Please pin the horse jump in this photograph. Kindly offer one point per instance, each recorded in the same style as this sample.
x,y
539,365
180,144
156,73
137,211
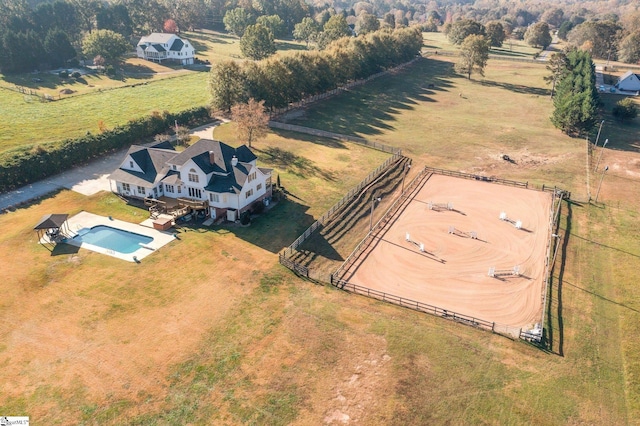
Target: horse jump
x,y
495,273
417,244
471,234
517,223
440,206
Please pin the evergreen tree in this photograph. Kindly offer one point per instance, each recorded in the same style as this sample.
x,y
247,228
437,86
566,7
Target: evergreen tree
x,y
576,99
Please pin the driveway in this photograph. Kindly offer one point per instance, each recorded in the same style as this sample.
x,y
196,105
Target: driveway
x,y
87,180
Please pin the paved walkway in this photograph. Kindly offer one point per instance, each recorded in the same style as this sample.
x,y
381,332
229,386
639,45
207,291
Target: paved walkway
x,y
87,180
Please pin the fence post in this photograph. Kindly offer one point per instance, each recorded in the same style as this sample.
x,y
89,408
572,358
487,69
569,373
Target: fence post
x,y
493,327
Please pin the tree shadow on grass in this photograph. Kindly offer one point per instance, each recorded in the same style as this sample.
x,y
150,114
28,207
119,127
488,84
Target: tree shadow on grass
x,y
275,228
371,109
622,136
283,45
296,136
212,38
517,88
200,47
292,163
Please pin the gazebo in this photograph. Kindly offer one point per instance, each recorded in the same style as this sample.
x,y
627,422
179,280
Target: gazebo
x,y
53,226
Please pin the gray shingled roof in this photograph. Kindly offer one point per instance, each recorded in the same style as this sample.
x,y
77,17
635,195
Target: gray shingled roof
x,y
152,161
156,162
177,45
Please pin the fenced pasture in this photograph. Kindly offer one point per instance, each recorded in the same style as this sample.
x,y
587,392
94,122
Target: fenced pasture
x,y
414,258
320,249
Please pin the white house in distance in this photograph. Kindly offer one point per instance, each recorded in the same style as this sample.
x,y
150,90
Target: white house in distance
x,y
629,81
208,176
159,47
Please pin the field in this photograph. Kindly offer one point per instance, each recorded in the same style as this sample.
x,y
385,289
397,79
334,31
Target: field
x,y
450,271
230,337
141,88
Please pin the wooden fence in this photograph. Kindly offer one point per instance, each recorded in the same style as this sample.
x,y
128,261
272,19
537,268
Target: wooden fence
x,y
369,238
339,205
477,177
503,329
295,267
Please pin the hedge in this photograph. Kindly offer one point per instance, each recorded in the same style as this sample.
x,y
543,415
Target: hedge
x,y
28,164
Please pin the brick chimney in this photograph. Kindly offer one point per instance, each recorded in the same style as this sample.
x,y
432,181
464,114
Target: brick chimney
x,y
212,158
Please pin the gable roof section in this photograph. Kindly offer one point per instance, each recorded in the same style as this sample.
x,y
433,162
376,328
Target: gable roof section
x,y
177,45
223,153
152,161
627,75
233,182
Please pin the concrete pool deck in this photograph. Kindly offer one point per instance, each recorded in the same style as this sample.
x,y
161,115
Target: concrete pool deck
x,y
86,220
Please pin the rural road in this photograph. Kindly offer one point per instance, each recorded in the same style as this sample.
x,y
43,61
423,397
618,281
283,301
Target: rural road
x,y
87,180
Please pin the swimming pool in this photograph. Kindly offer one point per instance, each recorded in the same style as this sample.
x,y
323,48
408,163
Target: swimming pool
x,y
114,239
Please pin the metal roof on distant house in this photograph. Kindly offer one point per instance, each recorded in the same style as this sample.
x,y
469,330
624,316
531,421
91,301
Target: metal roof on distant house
x,y
153,38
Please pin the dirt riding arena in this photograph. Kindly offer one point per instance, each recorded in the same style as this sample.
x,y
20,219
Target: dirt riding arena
x,y
453,245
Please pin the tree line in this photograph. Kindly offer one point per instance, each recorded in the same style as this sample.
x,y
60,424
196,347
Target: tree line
x,y
281,80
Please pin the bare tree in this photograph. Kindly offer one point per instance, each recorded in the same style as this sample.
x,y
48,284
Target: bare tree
x,y
252,121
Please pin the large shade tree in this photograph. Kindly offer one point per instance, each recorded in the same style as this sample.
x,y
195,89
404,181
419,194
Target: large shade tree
x,y
460,30
538,35
226,85
106,43
306,30
257,42
237,20
474,54
600,36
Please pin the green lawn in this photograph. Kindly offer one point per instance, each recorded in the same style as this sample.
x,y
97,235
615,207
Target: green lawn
x,y
29,121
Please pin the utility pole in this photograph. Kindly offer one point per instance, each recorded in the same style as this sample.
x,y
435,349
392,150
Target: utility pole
x,y
601,179
606,141
373,201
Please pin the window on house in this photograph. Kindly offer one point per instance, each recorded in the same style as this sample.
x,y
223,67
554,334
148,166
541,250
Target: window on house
x,y
224,198
174,167
169,188
249,193
259,187
131,164
195,193
252,176
141,190
179,189
214,197
193,176
126,187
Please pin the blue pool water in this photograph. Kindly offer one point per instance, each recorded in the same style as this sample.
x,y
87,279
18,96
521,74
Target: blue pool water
x,y
112,239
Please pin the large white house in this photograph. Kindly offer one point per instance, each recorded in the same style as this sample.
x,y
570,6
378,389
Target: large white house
x,y
209,175
159,47
629,81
